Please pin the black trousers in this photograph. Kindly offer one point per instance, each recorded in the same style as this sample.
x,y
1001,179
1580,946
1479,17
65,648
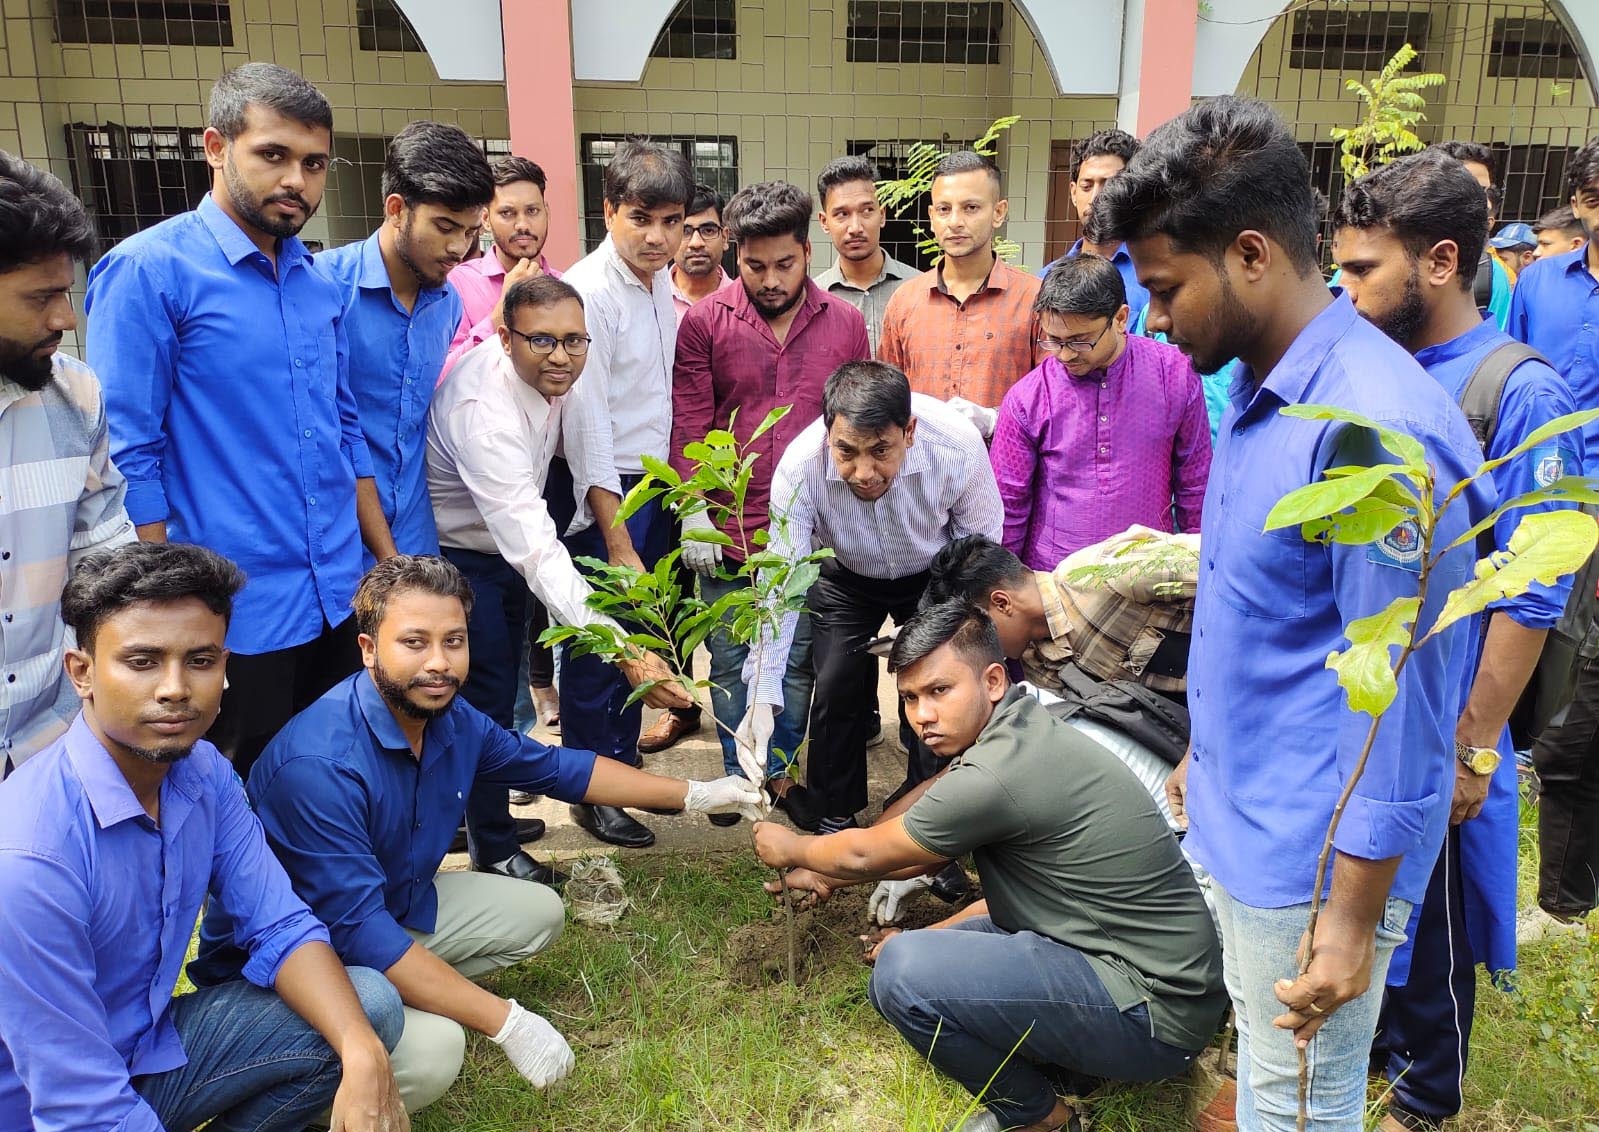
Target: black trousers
x,y
266,690
1566,757
847,610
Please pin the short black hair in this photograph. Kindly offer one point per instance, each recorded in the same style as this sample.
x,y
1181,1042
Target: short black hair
x,y
706,199
434,163
510,170
269,85
960,624
869,395
1422,199
845,171
970,569
428,573
1583,168
39,216
539,291
1462,149
969,161
1105,143
1082,284
1219,168
108,581
769,208
1561,220
650,175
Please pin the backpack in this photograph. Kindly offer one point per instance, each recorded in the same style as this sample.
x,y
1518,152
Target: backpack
x,y
1485,388
1144,715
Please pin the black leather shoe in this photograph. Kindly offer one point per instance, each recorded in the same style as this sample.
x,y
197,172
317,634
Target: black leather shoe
x,y
951,883
724,820
523,867
800,806
612,825
527,830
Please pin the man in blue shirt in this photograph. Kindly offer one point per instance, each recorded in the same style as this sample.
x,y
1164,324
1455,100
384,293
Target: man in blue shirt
x,y
223,357
1407,237
110,839
360,795
400,314
1218,213
1098,159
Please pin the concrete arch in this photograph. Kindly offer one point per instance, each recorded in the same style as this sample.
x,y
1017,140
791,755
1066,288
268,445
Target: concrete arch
x,y
1232,31
460,37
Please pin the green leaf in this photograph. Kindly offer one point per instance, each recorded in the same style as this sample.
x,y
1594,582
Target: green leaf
x,y
1566,489
1545,546
643,491
661,470
1366,522
1568,423
1327,497
1365,669
700,534
1407,448
772,418
721,440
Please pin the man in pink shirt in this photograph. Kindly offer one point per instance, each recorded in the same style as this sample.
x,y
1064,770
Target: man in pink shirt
x,y
1109,431
519,221
697,269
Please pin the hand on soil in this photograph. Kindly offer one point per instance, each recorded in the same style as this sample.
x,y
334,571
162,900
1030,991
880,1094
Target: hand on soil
x,y
811,887
873,942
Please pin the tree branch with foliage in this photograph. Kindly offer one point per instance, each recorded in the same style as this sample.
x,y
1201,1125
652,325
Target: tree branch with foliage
x,y
900,194
1394,107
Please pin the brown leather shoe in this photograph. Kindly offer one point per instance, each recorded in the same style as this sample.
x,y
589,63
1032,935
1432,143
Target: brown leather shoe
x,y
669,729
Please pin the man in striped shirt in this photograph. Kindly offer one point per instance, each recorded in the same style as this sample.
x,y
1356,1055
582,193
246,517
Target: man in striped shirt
x,y
60,495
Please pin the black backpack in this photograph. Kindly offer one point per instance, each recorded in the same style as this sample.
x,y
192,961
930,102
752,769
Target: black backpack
x,y
1139,712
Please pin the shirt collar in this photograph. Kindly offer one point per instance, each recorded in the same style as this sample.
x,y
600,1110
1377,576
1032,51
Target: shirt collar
x,y
996,278
236,245
677,292
1480,335
374,276
1004,715
620,267
535,406
1054,606
1574,262
891,269
1120,255
110,796
385,728
1291,376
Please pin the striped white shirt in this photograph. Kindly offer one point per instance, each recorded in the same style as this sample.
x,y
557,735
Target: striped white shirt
x,y
60,498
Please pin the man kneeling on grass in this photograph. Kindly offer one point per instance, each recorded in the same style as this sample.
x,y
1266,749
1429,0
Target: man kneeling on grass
x,y
360,795
1093,951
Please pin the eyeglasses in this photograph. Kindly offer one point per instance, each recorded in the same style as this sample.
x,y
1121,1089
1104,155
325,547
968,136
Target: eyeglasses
x,y
575,345
1075,345
703,231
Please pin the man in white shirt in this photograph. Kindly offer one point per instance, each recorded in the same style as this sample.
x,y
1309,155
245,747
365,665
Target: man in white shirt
x,y
493,428
887,479
620,414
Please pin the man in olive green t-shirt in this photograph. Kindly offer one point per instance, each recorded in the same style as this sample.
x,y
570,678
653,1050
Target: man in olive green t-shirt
x,y
1093,949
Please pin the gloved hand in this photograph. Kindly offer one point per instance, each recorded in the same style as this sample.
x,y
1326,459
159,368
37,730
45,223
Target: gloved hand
x,y
701,557
534,1047
890,897
983,418
753,740
730,795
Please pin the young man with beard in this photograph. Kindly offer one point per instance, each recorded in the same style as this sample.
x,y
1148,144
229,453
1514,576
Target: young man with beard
x,y
773,340
963,332
1217,212
1110,431
518,217
697,270
864,275
399,311
493,431
225,365
53,431
1407,237
110,841
1092,951
360,794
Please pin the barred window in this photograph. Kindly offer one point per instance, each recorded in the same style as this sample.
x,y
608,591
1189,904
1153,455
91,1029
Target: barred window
x,y
699,29
924,31
167,23
1354,41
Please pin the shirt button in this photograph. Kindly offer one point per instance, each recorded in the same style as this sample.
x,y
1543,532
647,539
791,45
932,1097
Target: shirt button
x,y
1103,417
312,500
1102,451
298,364
5,556
1238,430
11,677
9,618
308,434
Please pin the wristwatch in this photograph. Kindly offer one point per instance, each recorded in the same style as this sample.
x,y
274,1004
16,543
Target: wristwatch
x,y
1480,761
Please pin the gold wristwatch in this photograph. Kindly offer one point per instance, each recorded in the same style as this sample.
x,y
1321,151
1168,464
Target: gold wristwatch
x,y
1480,761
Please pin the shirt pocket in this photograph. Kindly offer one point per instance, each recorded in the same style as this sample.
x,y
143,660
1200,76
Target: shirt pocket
x,y
1257,573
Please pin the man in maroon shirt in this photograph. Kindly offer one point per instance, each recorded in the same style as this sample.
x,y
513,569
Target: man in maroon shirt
x,y
772,341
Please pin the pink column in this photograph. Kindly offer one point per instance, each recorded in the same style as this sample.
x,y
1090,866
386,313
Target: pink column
x,y
1166,61
538,95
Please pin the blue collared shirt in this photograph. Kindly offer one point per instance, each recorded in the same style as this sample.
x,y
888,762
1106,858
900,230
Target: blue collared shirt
x,y
231,415
1555,310
99,903
395,360
361,824
1137,293
1273,739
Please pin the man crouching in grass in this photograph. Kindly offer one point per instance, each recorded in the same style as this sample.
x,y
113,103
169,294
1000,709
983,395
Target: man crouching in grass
x,y
1093,951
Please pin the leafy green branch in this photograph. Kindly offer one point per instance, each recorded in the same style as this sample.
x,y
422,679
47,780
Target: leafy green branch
x,y
899,194
1394,106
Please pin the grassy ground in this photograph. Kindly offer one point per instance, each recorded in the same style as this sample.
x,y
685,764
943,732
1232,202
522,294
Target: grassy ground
x,y
680,1020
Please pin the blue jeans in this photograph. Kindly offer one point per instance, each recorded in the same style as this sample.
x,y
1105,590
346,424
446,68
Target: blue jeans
x,y
966,996
1259,946
730,697
254,1063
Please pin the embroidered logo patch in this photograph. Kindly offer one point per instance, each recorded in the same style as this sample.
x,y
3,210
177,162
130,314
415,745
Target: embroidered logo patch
x,y
1400,547
1549,464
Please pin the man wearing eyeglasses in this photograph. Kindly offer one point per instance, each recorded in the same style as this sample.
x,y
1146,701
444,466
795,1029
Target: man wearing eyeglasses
x,y
697,268
1109,431
494,425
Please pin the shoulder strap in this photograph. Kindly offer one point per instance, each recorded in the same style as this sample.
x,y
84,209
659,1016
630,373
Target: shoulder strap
x,y
1484,390
1482,285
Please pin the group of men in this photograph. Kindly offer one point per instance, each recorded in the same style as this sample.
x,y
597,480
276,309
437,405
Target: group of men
x,y
359,481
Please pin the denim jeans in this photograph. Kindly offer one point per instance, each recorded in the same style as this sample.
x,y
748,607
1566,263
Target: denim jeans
x,y
1259,946
730,698
969,995
254,1063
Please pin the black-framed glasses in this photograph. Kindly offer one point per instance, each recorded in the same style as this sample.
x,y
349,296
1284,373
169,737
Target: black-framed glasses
x,y
1075,345
707,231
575,345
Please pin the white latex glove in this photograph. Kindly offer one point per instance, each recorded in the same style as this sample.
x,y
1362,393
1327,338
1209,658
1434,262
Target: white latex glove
x,y
701,557
890,897
753,740
980,416
730,795
534,1047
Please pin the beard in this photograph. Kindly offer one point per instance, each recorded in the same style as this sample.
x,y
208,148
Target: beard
x,y
1404,321
404,247
162,756
253,208
398,695
20,363
768,310
1236,324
